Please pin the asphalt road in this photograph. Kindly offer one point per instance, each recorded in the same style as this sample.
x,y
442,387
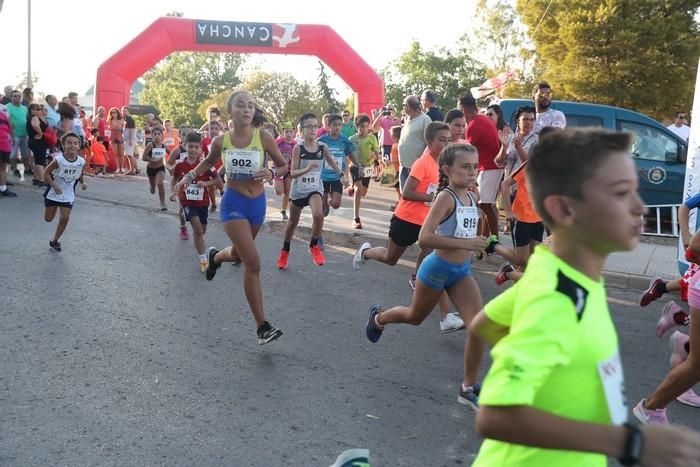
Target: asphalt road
x,y
117,351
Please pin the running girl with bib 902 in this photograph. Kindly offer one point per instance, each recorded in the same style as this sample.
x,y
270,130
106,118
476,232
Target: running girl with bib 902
x,y
450,229
307,188
155,154
62,174
243,206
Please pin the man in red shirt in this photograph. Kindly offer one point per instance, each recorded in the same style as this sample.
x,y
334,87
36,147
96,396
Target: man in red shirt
x,y
482,133
195,198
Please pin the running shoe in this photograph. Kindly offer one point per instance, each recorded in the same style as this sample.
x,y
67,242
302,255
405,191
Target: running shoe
x,y
8,194
666,320
284,216
55,245
212,208
649,417
317,256
468,397
373,331
267,333
203,265
502,276
652,292
163,208
183,233
212,267
491,243
412,281
28,171
677,343
17,173
172,197
450,323
690,398
283,260
359,259
356,223
151,189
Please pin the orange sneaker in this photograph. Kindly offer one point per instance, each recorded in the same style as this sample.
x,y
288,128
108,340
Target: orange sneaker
x,y
317,255
283,259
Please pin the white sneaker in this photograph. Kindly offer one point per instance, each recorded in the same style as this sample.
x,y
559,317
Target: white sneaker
x,y
451,323
358,260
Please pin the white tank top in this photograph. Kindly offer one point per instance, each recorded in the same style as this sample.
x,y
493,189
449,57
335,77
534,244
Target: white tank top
x,y
66,176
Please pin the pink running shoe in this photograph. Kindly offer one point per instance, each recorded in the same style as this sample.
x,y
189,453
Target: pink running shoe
x,y
183,234
689,398
666,320
649,417
677,343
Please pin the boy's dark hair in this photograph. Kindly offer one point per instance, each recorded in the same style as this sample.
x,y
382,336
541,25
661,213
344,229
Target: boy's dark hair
x,y
99,139
468,102
94,132
432,129
562,161
680,112
362,118
453,114
193,137
396,131
70,134
305,117
334,117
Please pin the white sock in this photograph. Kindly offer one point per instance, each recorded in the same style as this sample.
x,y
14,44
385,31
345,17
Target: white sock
x,y
203,257
3,187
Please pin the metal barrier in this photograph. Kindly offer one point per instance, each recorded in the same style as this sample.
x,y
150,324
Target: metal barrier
x,y
665,216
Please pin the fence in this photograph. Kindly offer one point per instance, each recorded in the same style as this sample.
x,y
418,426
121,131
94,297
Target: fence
x,y
662,220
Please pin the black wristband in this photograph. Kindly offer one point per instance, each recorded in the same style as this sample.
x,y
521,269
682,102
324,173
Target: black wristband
x,y
634,444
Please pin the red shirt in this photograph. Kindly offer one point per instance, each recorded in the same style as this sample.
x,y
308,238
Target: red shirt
x,y
482,134
181,168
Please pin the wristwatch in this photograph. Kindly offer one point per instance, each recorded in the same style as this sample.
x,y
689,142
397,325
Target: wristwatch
x,y
634,444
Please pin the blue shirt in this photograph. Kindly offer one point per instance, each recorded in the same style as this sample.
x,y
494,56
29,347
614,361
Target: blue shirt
x,y
339,148
693,201
52,116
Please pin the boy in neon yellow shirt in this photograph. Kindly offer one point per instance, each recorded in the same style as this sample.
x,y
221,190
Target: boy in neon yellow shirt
x,y
554,395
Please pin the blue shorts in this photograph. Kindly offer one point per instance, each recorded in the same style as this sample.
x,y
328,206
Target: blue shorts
x,y
196,211
439,274
234,206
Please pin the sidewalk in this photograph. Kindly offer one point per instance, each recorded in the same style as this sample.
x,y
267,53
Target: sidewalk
x,y
630,269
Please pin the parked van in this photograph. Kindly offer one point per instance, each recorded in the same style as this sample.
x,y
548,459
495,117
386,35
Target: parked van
x,y
658,153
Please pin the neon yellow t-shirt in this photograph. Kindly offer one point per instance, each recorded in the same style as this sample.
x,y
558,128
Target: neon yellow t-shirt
x,y
364,146
561,356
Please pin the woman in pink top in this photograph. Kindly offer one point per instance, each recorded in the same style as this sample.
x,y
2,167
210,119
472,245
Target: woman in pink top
x,y
5,149
116,128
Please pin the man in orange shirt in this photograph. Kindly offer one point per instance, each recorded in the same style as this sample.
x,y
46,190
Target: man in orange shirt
x,y
526,226
171,139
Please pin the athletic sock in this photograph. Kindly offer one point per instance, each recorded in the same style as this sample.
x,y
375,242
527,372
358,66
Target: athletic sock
x,y
287,246
3,188
203,257
314,242
681,318
662,288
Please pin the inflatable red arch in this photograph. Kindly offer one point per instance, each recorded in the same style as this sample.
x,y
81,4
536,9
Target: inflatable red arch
x,y
169,34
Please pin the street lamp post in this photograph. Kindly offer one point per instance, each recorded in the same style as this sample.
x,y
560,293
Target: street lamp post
x,y
29,43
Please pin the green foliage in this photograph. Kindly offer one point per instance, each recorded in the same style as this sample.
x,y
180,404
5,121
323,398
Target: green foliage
x,y
182,81
449,73
637,54
326,95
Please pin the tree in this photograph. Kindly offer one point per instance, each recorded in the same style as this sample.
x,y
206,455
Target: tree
x,y
501,43
638,54
325,93
22,80
183,80
450,74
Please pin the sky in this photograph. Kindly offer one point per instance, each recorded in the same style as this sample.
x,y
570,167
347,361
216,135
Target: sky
x,y
71,38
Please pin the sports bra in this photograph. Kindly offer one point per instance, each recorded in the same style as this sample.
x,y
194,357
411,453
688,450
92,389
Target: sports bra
x,y
243,163
462,221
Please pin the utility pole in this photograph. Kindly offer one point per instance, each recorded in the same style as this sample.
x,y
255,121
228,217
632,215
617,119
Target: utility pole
x,y
29,43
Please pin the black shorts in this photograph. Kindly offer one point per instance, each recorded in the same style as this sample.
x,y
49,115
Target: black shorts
x,y
196,211
333,186
386,151
152,172
49,202
355,173
403,233
524,232
303,202
5,157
